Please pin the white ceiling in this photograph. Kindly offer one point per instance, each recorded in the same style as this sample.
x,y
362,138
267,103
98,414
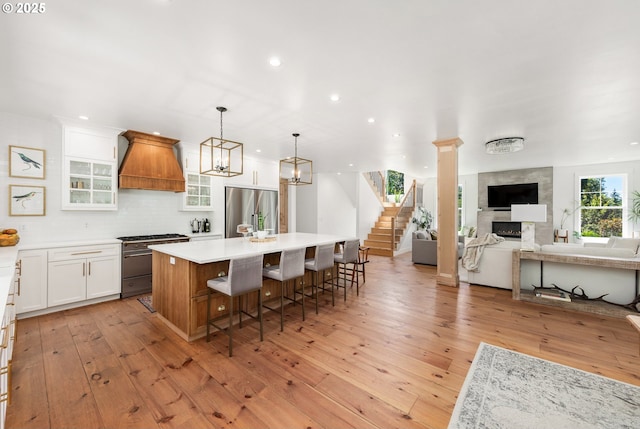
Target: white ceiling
x,y
565,75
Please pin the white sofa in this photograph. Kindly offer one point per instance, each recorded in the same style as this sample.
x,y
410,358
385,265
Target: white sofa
x,y
617,284
494,269
615,247
494,266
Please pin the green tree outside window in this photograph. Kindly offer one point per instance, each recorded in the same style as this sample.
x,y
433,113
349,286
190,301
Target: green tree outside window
x,y
601,201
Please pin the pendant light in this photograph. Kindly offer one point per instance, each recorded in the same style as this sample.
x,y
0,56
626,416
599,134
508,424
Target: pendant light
x,y
295,170
221,157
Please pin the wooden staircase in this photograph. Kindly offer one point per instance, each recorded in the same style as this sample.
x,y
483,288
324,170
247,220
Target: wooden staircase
x,y
379,239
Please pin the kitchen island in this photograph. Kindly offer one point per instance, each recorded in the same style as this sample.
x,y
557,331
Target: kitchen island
x,y
181,271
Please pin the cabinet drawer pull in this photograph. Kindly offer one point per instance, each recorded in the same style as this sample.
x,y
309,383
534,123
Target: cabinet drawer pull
x,y
89,268
86,253
84,267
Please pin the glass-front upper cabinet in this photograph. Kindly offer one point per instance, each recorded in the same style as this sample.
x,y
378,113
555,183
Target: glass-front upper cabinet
x,y
198,195
90,169
91,184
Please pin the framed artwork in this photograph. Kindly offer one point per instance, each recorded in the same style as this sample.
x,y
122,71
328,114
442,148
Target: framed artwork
x,y
26,162
25,200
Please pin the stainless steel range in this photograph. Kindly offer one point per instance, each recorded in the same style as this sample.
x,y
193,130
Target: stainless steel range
x,y
136,261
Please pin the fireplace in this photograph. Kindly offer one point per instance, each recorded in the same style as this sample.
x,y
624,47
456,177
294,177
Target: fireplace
x,y
506,229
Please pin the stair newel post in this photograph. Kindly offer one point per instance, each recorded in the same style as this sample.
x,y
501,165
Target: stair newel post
x,y
393,234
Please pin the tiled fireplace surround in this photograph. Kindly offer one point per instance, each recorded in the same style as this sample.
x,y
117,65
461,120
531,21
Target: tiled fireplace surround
x,y
486,216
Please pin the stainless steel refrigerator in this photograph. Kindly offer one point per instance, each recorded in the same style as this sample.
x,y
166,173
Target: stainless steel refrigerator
x,y
243,206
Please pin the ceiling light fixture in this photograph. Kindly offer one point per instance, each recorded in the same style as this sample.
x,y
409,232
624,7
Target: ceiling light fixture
x,y
504,145
371,120
297,171
634,143
84,118
221,157
275,61
335,97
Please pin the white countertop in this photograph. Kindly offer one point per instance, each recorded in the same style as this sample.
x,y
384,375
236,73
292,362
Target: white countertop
x,y
204,252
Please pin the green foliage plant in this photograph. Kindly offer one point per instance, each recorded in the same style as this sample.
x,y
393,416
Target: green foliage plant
x,y
634,210
423,220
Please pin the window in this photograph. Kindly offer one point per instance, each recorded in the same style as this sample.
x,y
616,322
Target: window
x,y
601,201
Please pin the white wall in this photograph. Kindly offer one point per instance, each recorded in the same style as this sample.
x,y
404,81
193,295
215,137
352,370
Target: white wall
x,y
306,207
139,212
369,208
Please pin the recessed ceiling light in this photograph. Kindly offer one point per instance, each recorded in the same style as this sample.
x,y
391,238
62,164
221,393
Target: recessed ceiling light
x,y
426,166
339,174
371,120
84,118
258,150
335,97
156,133
350,165
275,61
634,143
396,134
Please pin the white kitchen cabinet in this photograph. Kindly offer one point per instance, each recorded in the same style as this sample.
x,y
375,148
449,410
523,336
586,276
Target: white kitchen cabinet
x,y
7,338
257,172
90,169
31,291
83,272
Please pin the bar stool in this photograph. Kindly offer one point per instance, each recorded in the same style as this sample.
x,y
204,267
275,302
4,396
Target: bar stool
x,y
291,267
245,275
349,255
321,262
359,267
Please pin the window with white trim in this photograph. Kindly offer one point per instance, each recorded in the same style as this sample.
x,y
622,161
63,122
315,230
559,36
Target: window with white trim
x,y
602,205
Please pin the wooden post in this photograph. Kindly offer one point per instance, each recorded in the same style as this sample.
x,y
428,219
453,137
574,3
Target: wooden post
x,y
447,270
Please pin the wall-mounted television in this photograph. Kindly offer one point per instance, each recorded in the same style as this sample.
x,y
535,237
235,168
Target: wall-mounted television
x,y
502,196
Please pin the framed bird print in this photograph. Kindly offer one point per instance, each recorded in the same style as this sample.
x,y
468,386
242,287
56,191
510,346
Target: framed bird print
x,y
26,162
25,200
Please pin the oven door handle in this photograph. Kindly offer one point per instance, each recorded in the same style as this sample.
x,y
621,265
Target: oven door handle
x,y
136,255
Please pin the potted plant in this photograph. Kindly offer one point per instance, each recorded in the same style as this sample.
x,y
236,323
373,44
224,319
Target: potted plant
x,y
577,236
634,210
562,232
423,220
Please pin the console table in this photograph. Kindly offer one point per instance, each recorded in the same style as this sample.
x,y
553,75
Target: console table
x,y
590,306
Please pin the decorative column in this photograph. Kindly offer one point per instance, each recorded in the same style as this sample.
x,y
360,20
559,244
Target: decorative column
x,y
447,270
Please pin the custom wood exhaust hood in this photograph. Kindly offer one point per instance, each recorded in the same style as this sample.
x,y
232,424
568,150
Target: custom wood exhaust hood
x,y
150,163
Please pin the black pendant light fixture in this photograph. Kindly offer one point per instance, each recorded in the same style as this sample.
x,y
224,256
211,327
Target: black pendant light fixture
x,y
296,170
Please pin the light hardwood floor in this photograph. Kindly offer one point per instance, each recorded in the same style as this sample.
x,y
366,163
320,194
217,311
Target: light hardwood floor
x,y
396,356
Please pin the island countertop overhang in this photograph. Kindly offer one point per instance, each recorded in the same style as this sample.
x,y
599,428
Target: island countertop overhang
x,y
204,252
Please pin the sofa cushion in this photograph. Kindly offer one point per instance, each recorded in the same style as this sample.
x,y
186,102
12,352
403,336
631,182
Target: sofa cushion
x,y
625,243
589,251
421,235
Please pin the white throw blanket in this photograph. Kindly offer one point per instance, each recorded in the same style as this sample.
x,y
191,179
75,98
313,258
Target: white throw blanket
x,y
473,250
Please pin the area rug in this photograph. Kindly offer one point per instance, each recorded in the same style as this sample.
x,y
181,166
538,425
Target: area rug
x,y
146,301
507,389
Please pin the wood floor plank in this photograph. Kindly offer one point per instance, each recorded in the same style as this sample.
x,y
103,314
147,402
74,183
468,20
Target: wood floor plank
x,y
71,401
29,379
395,356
